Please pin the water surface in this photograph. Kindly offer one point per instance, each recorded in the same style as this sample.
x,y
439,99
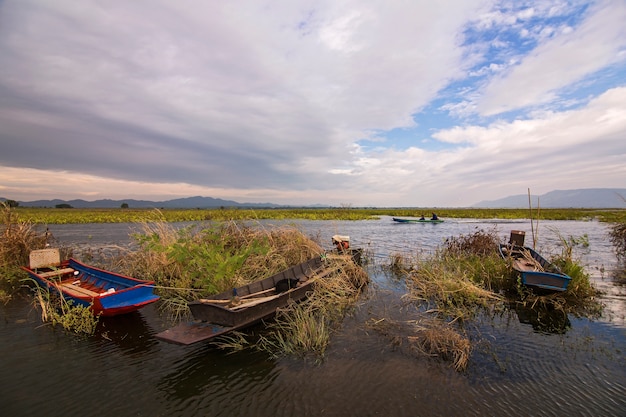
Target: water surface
x,y
515,370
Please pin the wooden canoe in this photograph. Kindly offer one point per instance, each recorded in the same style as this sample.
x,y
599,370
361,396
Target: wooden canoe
x,y
534,270
248,304
401,220
106,293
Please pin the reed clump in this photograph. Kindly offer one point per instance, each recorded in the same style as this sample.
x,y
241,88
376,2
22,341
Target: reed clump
x,y
202,260
443,341
18,239
464,275
617,235
428,336
305,328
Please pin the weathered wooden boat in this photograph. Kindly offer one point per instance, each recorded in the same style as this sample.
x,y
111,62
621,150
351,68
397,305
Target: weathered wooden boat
x,y
106,293
246,305
402,220
534,270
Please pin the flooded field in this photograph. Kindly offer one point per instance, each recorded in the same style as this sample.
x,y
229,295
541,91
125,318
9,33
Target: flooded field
x,y
515,370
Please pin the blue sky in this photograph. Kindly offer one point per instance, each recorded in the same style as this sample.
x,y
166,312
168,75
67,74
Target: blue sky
x,y
362,103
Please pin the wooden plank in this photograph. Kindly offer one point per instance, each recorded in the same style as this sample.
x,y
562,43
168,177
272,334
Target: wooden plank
x,y
80,290
56,272
255,301
187,333
227,301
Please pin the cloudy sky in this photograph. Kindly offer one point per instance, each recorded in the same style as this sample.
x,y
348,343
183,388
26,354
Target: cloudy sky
x,y
355,102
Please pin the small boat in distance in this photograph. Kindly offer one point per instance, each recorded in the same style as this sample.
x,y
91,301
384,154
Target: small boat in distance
x,y
534,270
107,293
401,220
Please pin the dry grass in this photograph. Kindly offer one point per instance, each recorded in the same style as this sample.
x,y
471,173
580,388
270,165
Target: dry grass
x,y
445,342
429,336
617,235
17,239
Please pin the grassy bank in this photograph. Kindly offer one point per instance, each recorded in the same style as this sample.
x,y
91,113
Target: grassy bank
x,y
70,216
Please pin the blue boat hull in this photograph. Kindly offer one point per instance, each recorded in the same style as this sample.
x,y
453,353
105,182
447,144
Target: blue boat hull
x,y
535,271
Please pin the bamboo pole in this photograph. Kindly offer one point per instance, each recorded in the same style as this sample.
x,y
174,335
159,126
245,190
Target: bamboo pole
x,y
532,226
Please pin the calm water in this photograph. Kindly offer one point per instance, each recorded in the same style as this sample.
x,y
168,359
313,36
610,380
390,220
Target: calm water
x,y
514,371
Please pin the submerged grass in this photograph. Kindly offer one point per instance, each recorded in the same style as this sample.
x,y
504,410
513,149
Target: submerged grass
x,y
305,328
58,311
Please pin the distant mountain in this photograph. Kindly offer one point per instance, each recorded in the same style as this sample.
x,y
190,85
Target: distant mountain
x,y
190,202
583,198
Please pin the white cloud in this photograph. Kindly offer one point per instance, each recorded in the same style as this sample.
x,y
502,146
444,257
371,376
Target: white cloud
x,y
162,99
561,60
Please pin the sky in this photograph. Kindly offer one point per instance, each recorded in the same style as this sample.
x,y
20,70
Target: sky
x,y
342,102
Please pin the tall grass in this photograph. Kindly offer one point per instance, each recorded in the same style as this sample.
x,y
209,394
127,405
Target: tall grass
x,y
202,260
463,275
617,235
305,328
17,239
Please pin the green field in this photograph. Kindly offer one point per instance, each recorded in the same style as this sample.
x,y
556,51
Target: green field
x,y
129,215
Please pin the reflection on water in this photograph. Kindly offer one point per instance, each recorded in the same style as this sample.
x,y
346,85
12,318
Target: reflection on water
x,y
525,363
545,318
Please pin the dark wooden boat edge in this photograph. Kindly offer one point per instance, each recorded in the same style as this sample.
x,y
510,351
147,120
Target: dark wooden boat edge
x,y
197,330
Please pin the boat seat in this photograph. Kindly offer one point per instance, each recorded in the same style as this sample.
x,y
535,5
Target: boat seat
x,y
80,290
56,272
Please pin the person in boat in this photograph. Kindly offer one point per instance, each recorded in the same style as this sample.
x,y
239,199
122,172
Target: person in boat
x,y
434,217
422,218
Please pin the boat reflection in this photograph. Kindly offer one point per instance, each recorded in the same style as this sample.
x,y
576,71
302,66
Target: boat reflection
x,y
544,318
130,332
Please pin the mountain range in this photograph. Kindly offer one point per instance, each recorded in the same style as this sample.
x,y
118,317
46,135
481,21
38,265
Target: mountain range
x,y
189,202
581,198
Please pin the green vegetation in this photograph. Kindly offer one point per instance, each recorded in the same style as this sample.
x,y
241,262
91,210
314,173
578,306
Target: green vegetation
x,y
130,215
195,262
57,311
192,263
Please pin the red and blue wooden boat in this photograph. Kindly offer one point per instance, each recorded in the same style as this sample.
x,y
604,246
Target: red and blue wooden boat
x,y
535,271
106,293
